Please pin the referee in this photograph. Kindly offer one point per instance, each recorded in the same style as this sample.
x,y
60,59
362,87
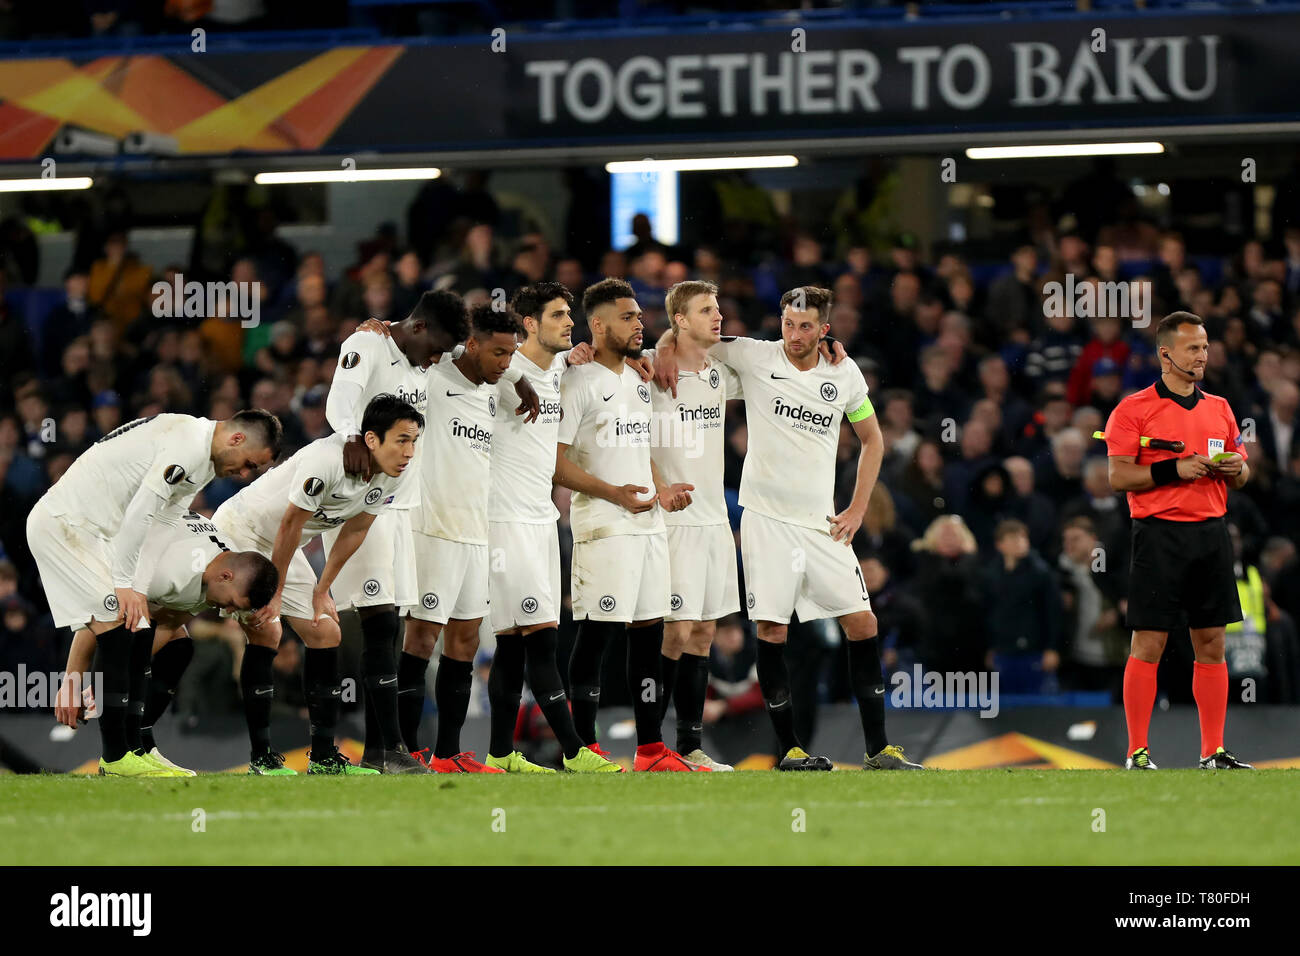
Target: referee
x,y
1182,570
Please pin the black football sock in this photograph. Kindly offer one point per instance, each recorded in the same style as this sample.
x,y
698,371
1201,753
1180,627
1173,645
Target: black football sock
x,y
115,664
137,685
688,698
644,646
869,688
320,679
667,681
544,679
451,690
774,679
257,684
584,674
505,687
410,697
379,675
168,666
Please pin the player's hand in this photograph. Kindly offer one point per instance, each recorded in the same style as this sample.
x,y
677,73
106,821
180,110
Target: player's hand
x,y
581,354
265,615
1229,467
529,403
629,498
1194,466
374,325
675,497
322,606
834,355
70,703
846,524
666,369
356,457
1051,661
644,367
134,606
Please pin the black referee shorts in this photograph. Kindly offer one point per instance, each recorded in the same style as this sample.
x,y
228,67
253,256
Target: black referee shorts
x,y
1182,575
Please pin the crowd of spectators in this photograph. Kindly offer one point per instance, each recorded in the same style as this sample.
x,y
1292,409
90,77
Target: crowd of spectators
x,y
992,538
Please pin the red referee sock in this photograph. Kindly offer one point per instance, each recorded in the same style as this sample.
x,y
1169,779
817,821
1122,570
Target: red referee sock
x,y
1139,698
1210,688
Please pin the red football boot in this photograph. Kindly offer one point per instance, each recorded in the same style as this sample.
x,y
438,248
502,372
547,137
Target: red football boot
x,y
461,763
661,759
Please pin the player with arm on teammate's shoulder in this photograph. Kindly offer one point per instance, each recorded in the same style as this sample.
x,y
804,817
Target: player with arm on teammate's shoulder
x,y
277,516
795,399
193,571
380,578
524,540
620,551
86,535
701,547
1182,572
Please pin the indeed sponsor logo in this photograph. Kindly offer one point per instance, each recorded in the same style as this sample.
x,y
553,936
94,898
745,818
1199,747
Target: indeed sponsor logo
x,y
799,413
470,431
700,413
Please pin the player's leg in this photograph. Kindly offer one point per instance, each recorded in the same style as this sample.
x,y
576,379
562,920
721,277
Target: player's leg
x,y
603,592
505,689
172,652
320,677
708,593
418,643
543,672
868,685
257,688
676,636
768,553
1140,693
452,688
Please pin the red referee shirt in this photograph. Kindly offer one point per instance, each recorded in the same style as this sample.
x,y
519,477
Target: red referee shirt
x,y
1205,424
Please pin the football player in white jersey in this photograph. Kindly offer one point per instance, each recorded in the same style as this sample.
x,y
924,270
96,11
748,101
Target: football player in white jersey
x,y
524,542
193,570
277,515
451,539
701,548
796,553
87,531
380,577
620,553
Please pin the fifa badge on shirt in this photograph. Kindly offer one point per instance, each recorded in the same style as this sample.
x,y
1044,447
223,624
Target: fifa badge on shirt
x,y
1215,447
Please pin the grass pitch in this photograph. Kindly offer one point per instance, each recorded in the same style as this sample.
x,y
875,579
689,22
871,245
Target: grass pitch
x,y
849,817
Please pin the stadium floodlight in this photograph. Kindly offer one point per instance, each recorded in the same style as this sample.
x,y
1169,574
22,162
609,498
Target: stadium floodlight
x,y
1054,150
700,165
41,185
346,175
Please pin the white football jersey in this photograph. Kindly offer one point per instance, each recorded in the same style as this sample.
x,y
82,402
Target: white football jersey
x,y
171,455
607,421
314,480
377,365
793,420
455,469
523,454
178,556
689,438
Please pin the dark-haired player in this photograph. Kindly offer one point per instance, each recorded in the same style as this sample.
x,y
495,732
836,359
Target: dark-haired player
x,y
620,550
380,577
192,570
795,550
524,542
451,538
87,531
277,515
